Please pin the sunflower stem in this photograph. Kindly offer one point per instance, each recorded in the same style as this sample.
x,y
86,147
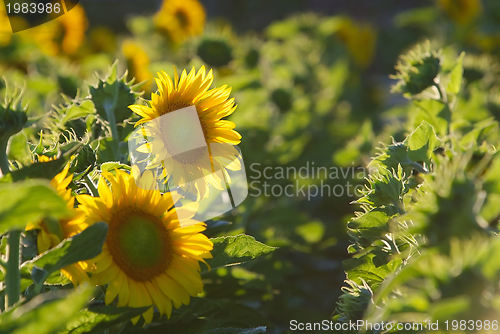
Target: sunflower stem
x,y
13,276
110,115
4,161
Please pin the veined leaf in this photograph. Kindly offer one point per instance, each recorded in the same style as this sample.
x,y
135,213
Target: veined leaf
x,y
100,318
422,142
46,313
235,250
83,246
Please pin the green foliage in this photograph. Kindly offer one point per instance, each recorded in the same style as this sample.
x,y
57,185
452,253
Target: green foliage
x,y
83,246
422,249
28,201
235,250
44,314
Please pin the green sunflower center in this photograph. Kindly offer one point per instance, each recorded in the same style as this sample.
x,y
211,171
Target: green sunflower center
x,y
139,244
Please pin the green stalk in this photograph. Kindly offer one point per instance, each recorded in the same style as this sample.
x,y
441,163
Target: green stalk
x,y
13,276
110,115
4,161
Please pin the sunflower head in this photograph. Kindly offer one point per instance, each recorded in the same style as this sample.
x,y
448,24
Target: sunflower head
x,y
148,259
461,11
360,40
137,63
180,19
215,51
182,132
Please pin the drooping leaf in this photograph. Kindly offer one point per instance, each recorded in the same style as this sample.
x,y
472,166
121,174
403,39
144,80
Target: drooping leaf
x,y
236,249
100,318
83,246
28,201
44,314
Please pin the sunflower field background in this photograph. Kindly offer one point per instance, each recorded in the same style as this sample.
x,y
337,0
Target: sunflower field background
x,y
368,134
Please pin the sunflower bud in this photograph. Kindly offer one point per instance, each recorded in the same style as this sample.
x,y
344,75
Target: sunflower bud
x,y
12,117
215,52
85,158
282,98
417,70
252,58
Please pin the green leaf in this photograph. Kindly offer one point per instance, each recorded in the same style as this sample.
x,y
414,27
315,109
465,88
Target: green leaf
x,y
312,232
376,218
256,330
422,142
47,313
235,250
78,110
83,246
18,149
101,318
363,268
434,112
112,166
28,201
456,76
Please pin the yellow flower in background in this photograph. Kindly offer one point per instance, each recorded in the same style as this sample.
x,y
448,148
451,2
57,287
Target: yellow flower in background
x,y
74,24
147,259
180,19
65,33
193,168
5,28
52,232
360,40
137,63
461,11
102,40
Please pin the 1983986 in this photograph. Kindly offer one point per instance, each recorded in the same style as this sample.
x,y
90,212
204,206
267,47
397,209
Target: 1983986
x,y
33,8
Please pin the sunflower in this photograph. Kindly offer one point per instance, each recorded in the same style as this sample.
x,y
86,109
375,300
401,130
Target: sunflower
x,y
147,258
461,11
64,34
193,147
53,232
180,19
360,40
137,63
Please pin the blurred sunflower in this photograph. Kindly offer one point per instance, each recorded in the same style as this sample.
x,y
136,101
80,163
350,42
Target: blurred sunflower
x,y
5,27
53,232
461,11
194,169
137,63
147,259
65,33
180,19
360,40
